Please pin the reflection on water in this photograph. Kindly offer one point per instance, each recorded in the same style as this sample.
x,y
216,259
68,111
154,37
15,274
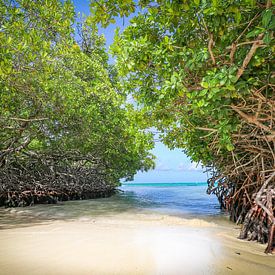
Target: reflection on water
x,y
187,200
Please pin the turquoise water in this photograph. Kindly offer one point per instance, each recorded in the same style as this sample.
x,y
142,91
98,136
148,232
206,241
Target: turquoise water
x,y
180,199
176,198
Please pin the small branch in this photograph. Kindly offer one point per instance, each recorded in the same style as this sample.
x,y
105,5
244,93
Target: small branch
x,y
210,43
232,53
247,163
258,198
243,43
248,25
252,120
234,45
267,137
210,46
258,109
206,129
258,43
27,119
250,54
269,4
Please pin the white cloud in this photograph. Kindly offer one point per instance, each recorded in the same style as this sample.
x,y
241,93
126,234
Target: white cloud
x,y
162,167
182,166
195,166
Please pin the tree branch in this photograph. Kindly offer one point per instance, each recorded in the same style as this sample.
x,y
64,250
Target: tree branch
x,y
210,46
258,198
250,54
252,120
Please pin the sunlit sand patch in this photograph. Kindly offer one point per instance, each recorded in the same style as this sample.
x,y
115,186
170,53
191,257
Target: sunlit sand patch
x,y
157,219
128,244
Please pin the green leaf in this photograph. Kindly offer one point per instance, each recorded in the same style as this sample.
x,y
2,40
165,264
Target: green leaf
x,y
230,147
230,87
233,78
223,81
203,92
254,33
197,2
266,17
204,84
267,38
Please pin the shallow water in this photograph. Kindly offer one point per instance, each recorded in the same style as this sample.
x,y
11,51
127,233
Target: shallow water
x,y
189,199
181,199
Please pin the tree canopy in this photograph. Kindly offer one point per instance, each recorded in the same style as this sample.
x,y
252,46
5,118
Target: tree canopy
x,y
59,100
203,73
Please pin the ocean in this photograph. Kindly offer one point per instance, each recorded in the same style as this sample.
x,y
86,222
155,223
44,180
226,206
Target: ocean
x,y
187,200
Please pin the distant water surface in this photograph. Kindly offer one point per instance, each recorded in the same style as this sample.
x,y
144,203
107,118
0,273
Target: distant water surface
x,y
175,198
181,199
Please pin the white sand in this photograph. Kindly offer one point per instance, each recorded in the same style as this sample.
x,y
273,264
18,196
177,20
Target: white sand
x,y
130,244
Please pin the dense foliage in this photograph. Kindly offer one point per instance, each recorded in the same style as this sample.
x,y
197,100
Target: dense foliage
x,y
59,102
203,73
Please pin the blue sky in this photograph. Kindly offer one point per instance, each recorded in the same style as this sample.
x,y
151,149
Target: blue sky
x,y
171,165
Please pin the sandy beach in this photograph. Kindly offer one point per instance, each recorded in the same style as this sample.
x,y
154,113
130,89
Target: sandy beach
x,y
130,243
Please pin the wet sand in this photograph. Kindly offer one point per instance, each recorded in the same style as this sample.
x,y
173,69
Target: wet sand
x,y
130,243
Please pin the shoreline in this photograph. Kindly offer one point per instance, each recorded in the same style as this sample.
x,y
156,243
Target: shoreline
x,y
130,243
